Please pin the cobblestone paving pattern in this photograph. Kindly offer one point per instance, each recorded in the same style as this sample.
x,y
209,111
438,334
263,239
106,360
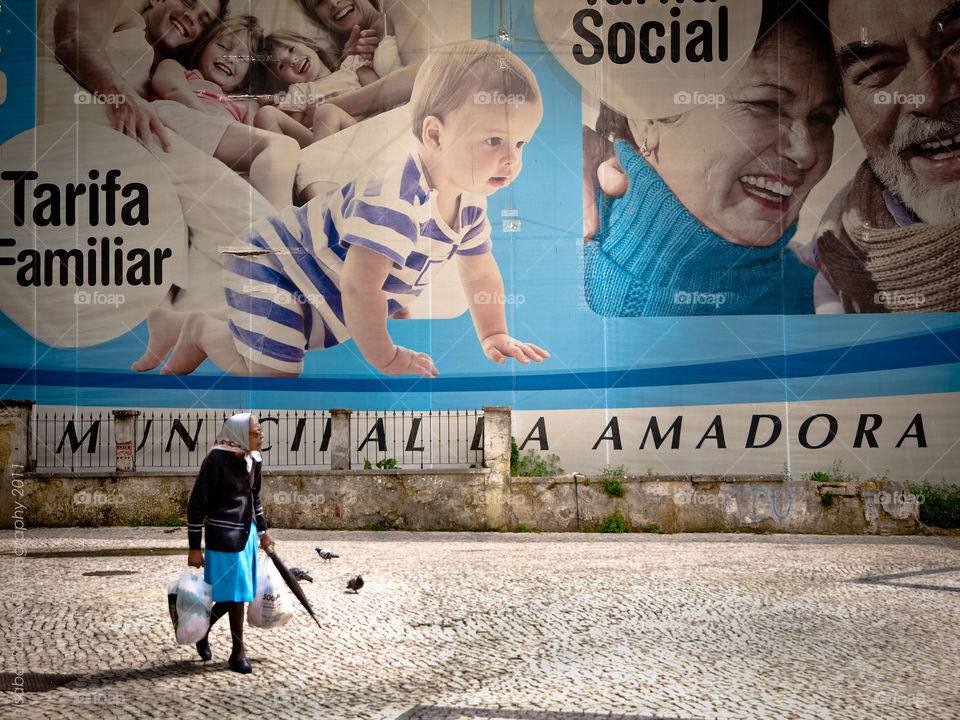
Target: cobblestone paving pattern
x,y
480,626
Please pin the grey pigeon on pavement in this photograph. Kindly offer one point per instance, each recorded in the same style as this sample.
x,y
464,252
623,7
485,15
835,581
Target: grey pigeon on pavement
x,y
300,575
355,584
326,554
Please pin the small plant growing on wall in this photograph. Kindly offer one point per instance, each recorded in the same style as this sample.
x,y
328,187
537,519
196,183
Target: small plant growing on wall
x,y
613,471
531,464
614,523
838,474
835,474
939,504
613,488
385,464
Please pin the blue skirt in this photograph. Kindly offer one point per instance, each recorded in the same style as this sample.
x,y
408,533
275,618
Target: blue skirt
x,y
233,576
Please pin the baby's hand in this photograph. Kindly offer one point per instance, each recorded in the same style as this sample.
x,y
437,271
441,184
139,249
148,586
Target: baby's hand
x,y
410,362
501,346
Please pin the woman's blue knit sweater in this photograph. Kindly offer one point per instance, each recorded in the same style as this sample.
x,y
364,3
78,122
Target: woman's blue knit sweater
x,y
653,258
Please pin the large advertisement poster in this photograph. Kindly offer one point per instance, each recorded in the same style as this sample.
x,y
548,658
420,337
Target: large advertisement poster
x,y
685,237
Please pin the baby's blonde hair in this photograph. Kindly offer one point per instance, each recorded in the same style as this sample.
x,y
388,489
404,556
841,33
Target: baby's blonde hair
x,y
469,71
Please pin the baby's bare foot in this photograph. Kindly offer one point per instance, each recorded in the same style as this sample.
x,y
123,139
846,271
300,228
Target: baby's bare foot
x,y
163,327
187,353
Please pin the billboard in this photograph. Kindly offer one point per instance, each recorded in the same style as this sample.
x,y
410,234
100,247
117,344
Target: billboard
x,y
701,237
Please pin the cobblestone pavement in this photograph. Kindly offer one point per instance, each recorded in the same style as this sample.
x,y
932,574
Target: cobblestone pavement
x,y
481,626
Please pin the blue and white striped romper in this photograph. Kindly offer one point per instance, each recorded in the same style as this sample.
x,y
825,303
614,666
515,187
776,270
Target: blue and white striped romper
x,y
285,299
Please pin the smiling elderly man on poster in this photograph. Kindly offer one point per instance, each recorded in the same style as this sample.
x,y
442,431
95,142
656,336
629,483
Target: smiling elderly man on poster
x,y
890,241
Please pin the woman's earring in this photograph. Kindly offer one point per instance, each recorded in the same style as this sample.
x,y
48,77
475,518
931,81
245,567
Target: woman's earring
x,y
645,151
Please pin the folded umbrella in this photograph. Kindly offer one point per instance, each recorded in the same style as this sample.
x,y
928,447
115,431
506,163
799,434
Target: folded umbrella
x,y
291,581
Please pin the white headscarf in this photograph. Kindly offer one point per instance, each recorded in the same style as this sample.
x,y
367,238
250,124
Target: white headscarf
x,y
234,436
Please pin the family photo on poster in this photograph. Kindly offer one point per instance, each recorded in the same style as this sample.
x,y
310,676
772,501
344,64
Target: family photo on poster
x,y
338,266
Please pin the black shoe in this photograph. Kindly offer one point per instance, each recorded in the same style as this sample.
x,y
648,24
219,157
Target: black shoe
x,y
203,649
240,666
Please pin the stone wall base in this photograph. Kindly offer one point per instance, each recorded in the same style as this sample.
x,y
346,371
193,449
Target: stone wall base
x,y
481,499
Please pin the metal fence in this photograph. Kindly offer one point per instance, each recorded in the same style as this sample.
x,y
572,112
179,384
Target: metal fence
x,y
440,438
291,439
297,440
73,441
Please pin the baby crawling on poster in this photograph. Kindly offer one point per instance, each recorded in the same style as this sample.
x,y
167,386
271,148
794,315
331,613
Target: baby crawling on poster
x,y
339,266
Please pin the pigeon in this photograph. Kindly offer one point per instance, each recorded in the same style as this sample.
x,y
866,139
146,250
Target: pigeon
x,y
355,584
326,554
300,575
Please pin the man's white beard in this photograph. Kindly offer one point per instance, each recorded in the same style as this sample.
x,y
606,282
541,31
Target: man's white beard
x,y
933,204
936,205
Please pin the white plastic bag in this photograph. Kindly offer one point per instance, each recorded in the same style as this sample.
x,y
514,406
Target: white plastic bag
x,y
172,602
194,600
271,605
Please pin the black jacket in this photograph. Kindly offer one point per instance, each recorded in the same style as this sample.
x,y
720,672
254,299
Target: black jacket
x,y
227,497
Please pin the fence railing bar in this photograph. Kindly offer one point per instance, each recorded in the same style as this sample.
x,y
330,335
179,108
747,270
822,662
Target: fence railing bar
x,y
293,438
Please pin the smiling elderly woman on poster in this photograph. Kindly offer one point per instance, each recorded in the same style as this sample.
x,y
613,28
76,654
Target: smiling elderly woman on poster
x,y
711,197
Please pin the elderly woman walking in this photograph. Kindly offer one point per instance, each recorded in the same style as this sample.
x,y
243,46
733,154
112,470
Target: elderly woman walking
x,y
226,499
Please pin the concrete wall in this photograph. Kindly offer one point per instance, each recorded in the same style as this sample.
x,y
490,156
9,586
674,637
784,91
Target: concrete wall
x,y
481,500
333,500
705,504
